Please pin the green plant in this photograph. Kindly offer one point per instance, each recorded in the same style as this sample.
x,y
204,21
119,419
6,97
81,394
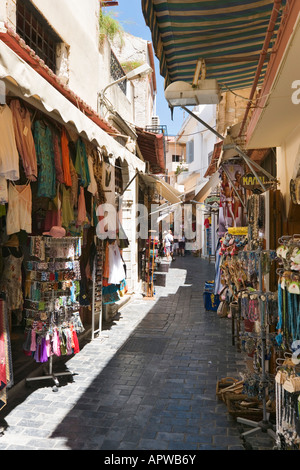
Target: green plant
x,y
180,169
131,65
109,26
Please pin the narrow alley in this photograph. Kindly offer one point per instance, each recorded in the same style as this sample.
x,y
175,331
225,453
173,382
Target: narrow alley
x,y
147,383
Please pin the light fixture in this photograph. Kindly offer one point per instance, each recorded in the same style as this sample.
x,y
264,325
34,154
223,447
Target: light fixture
x,y
134,74
181,93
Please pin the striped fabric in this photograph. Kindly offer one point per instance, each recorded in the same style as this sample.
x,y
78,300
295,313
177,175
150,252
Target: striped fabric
x,y
229,35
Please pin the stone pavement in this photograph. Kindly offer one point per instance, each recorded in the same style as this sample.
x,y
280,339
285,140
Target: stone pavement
x,y
148,382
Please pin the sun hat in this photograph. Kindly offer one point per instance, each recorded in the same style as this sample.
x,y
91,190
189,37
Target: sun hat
x,y
56,232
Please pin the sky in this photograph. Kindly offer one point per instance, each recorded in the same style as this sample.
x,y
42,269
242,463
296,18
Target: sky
x,y
130,16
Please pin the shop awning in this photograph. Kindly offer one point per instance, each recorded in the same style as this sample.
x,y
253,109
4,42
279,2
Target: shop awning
x,y
25,82
165,190
229,36
152,148
206,189
212,167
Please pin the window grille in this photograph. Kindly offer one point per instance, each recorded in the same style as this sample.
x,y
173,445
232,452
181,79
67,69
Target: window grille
x,y
116,72
37,33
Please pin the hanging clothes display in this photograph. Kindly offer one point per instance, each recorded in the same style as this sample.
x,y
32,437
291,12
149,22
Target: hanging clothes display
x,y
45,160
52,299
24,138
9,157
19,216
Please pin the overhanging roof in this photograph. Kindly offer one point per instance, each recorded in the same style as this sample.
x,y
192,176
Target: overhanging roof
x,y
152,149
228,35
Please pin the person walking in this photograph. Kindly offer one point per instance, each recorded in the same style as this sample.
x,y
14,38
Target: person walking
x,y
168,242
182,246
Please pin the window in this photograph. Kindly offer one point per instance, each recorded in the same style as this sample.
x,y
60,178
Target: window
x,y
37,33
190,151
176,158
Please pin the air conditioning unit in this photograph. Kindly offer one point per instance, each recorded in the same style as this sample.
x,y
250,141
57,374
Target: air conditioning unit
x,y
155,121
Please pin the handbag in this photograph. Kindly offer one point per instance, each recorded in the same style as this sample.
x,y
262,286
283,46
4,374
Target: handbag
x,y
292,384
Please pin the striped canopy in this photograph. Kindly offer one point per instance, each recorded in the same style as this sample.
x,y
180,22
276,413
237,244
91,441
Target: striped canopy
x,y
228,35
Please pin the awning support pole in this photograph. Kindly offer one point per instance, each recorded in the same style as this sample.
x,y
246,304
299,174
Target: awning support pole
x,y
249,162
203,123
132,179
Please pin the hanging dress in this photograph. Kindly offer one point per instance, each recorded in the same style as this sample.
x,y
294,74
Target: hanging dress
x,y
24,139
116,268
66,158
11,281
81,164
19,209
9,157
45,159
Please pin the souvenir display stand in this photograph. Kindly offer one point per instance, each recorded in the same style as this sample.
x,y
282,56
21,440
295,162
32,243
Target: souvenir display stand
x,y
97,289
51,302
264,425
287,379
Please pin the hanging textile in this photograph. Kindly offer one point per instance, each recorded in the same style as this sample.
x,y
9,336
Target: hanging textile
x,y
81,216
19,213
9,157
58,156
81,164
92,188
45,160
67,207
24,139
116,268
66,158
6,370
11,280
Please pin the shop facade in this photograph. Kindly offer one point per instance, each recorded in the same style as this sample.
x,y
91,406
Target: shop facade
x,y
60,164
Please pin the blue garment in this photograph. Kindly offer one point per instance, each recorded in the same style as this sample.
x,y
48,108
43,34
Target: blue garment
x,y
45,159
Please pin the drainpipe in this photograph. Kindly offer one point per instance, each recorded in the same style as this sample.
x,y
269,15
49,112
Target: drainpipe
x,y
262,58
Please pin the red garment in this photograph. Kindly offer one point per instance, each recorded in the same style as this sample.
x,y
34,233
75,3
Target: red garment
x,y
75,341
3,378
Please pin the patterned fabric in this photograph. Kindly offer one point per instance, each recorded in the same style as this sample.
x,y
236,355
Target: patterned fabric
x,y
11,282
81,164
45,159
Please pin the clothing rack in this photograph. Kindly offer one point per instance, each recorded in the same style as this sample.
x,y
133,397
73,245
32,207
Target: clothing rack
x,y
264,425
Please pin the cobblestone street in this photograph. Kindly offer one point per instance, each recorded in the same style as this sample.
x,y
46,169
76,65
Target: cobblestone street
x,y
147,383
